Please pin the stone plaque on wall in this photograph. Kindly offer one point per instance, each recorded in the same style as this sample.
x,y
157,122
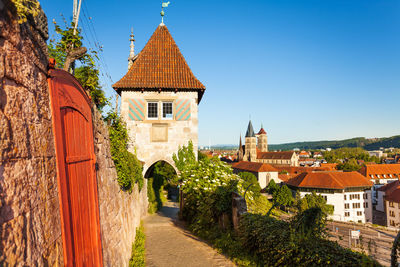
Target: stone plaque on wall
x,y
159,132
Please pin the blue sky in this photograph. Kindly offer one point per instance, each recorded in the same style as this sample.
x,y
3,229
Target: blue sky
x,y
307,70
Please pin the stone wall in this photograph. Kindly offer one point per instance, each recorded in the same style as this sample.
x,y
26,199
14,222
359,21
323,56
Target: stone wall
x,y
174,133
30,232
120,212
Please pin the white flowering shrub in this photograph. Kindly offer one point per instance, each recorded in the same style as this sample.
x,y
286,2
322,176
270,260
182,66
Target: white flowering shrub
x,y
207,185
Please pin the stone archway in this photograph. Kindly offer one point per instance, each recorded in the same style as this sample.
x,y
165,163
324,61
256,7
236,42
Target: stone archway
x,y
148,167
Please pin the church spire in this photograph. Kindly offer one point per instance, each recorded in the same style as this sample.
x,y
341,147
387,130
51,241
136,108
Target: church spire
x,y
250,130
132,50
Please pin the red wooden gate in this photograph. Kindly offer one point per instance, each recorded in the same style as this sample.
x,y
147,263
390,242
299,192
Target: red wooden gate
x,y
72,126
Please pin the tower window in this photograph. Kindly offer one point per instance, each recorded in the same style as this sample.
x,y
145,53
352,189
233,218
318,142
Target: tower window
x,y
167,110
152,110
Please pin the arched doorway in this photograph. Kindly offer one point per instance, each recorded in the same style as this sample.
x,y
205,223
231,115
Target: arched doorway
x,y
162,184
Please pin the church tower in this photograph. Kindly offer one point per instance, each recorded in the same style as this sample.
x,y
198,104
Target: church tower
x,y
240,152
250,144
262,141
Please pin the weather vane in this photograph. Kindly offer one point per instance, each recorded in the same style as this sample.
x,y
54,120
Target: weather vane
x,y
163,4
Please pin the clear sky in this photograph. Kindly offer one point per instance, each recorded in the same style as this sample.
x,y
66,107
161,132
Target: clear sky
x,y
307,70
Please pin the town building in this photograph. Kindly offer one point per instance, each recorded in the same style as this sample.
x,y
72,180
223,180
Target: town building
x,y
389,203
255,149
380,174
264,172
159,100
348,192
304,154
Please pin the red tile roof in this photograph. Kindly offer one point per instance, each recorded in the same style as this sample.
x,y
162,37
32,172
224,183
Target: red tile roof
x,y
381,169
389,187
253,166
275,155
160,65
330,180
392,191
262,131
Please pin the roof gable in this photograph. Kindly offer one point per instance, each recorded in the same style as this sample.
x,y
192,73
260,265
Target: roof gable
x,y
275,155
160,65
253,166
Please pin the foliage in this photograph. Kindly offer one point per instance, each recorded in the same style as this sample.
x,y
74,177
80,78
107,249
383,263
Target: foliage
x,y
26,8
185,157
129,169
313,200
138,250
281,197
207,185
272,187
163,175
87,74
345,154
250,180
278,243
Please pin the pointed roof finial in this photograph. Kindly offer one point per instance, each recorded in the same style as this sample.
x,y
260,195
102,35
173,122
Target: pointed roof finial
x,y
163,4
132,49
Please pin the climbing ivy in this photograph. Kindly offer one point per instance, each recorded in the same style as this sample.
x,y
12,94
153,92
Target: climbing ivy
x,y
129,168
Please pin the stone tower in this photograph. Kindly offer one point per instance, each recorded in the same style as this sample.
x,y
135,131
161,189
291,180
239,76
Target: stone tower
x,y
159,100
262,141
250,144
240,152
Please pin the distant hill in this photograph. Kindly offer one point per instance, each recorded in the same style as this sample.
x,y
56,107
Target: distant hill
x,y
366,143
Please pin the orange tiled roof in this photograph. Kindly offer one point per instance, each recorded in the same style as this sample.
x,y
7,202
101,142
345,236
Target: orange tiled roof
x,y
275,155
262,131
330,180
380,169
253,166
160,65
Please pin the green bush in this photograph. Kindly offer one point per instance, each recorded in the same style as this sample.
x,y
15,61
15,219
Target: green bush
x,y
277,243
138,251
129,169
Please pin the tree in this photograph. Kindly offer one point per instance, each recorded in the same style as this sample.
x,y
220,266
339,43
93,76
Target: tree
x,y
250,182
281,197
185,157
313,200
348,166
272,187
68,48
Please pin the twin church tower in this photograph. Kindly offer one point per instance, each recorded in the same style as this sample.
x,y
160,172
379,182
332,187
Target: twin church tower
x,y
253,143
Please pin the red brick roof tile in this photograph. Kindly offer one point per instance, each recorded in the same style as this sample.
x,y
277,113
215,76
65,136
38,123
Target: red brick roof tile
x,y
330,180
253,166
262,131
380,169
160,65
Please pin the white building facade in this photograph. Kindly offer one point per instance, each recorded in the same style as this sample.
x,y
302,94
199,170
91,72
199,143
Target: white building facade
x,y
348,192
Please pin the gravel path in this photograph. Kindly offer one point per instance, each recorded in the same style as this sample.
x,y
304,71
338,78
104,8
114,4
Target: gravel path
x,y
169,244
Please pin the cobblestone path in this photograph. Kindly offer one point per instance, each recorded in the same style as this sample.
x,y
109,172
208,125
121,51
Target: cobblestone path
x,y
168,244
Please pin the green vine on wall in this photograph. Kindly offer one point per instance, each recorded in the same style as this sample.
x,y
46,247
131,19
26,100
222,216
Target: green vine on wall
x,y
26,8
129,168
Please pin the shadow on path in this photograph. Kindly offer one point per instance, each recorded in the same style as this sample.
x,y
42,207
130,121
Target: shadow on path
x,y
168,243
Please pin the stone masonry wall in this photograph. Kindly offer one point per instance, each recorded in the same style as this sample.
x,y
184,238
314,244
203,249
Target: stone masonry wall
x,y
30,233
178,133
120,212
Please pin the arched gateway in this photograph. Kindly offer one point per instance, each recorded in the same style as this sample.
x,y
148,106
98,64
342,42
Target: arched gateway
x,y
159,98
